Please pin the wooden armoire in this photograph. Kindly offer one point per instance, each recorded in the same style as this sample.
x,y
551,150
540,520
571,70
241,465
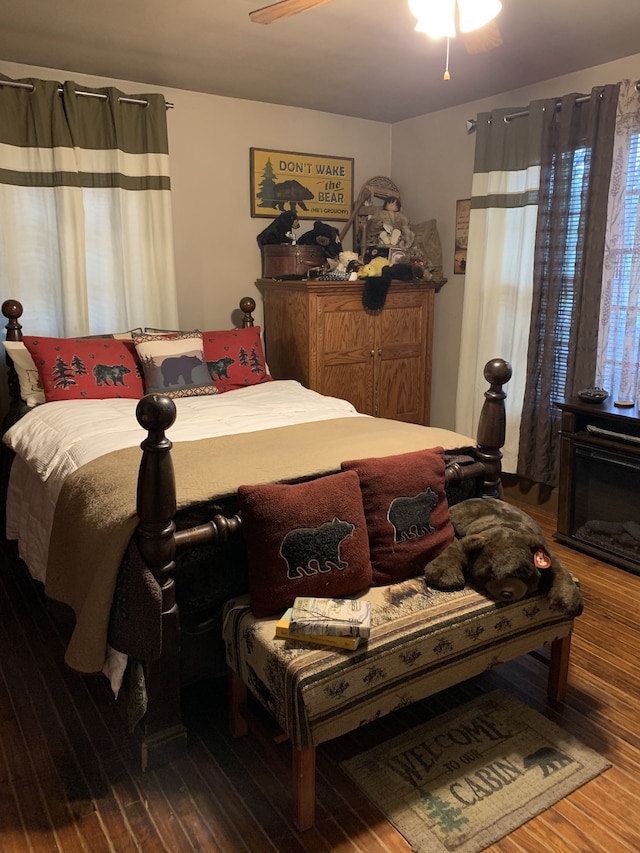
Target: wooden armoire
x,y
320,333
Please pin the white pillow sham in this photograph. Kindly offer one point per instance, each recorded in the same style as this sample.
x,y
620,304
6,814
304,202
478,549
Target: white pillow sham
x,y
31,389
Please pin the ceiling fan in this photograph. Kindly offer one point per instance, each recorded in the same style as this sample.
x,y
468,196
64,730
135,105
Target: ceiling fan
x,y
478,40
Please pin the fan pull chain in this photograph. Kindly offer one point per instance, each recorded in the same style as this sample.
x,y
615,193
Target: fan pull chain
x,y
446,75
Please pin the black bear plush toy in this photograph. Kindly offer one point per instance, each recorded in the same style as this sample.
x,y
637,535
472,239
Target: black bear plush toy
x,y
501,550
280,230
325,236
376,287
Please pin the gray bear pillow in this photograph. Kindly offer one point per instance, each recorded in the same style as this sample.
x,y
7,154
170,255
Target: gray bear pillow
x,y
174,365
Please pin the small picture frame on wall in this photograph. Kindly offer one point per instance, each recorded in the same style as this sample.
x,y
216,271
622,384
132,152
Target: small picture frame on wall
x,y
313,186
463,211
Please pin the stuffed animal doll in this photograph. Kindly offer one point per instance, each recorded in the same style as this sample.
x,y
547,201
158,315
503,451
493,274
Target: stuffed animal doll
x,y
280,231
388,227
501,550
325,236
374,268
346,264
378,275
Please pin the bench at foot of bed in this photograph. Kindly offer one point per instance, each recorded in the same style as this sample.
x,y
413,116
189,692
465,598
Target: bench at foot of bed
x,y
422,641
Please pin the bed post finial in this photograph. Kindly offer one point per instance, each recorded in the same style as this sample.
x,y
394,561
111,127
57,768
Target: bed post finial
x,y
247,306
12,310
492,425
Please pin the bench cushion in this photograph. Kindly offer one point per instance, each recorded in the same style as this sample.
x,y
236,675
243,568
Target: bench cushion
x,y
422,641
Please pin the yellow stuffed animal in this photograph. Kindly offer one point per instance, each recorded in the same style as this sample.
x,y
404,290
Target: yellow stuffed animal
x,y
374,268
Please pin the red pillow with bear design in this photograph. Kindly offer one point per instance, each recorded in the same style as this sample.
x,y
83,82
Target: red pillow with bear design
x,y
407,512
304,539
86,369
235,358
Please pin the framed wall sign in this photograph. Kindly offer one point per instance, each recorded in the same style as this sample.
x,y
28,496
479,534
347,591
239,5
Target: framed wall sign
x,y
314,186
463,211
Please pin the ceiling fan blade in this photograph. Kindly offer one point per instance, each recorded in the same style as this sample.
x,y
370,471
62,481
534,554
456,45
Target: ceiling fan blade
x,y
484,39
283,9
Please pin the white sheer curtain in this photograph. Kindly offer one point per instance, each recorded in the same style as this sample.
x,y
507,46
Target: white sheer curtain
x,y
499,271
619,332
86,239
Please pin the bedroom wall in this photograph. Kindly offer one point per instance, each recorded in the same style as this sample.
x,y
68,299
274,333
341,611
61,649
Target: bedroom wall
x,y
432,163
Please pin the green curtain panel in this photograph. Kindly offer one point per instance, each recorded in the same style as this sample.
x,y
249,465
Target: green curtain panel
x,y
86,241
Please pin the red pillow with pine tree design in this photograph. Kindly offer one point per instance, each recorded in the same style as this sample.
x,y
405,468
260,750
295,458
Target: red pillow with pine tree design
x,y
235,358
86,368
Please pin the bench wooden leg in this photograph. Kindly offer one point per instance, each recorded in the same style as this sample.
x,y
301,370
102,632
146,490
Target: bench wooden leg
x,y
237,705
304,787
559,668
303,770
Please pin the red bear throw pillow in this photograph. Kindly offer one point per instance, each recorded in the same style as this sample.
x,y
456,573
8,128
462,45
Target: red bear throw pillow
x,y
304,539
235,358
406,510
86,368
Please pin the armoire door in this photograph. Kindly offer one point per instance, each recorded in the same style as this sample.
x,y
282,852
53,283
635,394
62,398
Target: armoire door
x,y
403,345
346,350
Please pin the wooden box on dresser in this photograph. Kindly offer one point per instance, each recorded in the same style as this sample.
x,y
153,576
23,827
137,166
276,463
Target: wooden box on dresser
x,y
320,333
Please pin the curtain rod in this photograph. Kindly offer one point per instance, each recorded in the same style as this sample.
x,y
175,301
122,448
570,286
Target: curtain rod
x,y
472,122
101,95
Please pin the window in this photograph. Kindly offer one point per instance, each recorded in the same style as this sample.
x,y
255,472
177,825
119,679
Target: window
x,y
574,169
86,239
618,364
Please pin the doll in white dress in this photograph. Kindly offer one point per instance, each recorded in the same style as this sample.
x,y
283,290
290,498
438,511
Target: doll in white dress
x,y
389,227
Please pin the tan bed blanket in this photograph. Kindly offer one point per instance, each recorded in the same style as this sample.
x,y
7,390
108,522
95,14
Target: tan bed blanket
x,y
96,514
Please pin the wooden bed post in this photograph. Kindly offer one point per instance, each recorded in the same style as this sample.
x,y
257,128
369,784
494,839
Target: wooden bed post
x,y
12,310
164,735
492,425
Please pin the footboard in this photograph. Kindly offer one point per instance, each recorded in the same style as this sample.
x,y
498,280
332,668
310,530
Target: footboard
x,y
162,729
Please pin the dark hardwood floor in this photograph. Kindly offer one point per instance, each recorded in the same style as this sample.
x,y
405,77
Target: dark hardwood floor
x,y
69,778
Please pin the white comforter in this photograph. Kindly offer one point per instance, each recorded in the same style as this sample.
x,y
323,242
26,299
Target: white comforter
x,y
55,439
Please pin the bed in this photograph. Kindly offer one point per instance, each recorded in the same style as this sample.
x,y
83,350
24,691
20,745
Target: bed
x,y
145,547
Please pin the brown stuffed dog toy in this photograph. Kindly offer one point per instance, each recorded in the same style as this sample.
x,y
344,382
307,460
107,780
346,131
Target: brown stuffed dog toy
x,y
501,550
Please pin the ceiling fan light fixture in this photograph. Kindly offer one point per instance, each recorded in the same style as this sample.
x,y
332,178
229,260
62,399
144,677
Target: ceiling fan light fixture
x,y
476,13
436,18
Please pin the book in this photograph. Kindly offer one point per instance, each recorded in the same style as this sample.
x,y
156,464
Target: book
x,y
337,617
283,630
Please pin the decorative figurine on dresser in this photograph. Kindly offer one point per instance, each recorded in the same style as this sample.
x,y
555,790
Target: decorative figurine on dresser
x,y
388,227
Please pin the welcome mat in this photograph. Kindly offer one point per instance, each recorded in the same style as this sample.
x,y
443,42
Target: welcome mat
x,y
461,781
